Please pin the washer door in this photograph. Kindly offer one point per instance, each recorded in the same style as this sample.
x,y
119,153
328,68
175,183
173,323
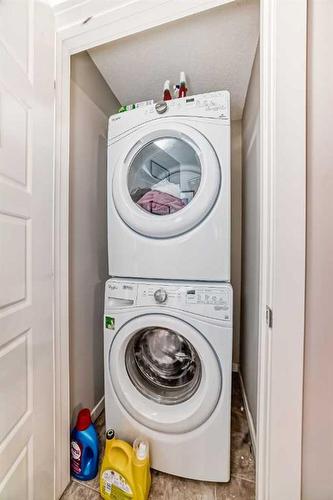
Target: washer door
x,y
168,181
164,372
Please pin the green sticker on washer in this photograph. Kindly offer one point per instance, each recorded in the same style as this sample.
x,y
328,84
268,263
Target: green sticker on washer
x,y
109,322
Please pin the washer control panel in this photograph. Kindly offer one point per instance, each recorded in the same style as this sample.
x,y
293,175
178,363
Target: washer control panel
x,y
211,300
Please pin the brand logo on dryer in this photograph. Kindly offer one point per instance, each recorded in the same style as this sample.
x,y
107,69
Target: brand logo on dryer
x,y
127,287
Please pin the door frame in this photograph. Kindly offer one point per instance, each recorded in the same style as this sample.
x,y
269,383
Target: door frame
x,y
283,30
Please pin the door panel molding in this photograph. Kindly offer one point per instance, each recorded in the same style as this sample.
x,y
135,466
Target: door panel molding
x,y
26,248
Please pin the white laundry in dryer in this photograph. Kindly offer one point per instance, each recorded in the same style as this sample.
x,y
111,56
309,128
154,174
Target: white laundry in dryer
x,y
168,364
169,190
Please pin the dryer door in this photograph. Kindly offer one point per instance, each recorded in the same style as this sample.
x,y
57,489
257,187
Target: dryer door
x,y
165,373
167,182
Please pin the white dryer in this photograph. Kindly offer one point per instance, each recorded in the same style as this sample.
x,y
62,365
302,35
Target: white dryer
x,y
168,363
169,190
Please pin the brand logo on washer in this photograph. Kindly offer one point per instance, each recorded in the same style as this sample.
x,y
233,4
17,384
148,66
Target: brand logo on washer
x,y
127,287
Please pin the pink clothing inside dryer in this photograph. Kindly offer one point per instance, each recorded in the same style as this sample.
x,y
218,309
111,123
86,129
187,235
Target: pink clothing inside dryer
x,y
160,203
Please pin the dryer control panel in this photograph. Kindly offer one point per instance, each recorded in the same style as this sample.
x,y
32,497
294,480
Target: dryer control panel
x,y
212,106
212,300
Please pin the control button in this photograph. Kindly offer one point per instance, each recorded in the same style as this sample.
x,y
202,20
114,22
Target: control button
x,y
160,296
161,107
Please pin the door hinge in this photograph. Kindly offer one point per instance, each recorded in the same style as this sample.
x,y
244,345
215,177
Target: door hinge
x,y
269,317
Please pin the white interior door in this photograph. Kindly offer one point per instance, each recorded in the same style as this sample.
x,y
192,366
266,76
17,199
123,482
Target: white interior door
x,y
26,255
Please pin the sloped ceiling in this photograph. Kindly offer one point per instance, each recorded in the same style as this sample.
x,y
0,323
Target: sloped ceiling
x,y
215,48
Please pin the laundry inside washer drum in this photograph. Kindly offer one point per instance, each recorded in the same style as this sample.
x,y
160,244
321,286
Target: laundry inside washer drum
x,y
163,365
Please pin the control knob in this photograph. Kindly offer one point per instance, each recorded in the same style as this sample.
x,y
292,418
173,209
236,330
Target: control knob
x,y
160,296
161,107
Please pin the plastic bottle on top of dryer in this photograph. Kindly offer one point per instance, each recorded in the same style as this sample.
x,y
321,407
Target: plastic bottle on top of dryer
x,y
182,85
166,91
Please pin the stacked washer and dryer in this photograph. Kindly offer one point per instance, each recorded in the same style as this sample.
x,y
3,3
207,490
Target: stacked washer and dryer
x,y
168,305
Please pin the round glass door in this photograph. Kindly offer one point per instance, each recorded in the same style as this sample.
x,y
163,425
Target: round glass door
x,y
163,365
164,176
166,180
157,375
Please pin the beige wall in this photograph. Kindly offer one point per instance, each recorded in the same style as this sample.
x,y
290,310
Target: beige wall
x,y
317,483
236,228
86,76
91,104
250,240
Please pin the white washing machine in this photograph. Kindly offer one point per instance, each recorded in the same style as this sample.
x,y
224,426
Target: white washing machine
x,y
168,363
169,190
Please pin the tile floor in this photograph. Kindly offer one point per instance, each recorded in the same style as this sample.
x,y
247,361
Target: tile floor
x,y
166,487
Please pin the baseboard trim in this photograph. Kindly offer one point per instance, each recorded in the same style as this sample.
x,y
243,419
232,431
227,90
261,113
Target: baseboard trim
x,y
248,415
235,367
97,410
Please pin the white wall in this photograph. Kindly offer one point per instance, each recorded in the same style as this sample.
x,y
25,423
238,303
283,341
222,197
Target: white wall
x,y
317,483
236,229
91,104
250,239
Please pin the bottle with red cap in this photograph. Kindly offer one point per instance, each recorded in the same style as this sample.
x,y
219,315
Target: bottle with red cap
x,y
166,91
182,85
84,447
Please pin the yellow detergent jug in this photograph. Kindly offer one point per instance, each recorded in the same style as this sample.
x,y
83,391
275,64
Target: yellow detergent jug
x,y
125,471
